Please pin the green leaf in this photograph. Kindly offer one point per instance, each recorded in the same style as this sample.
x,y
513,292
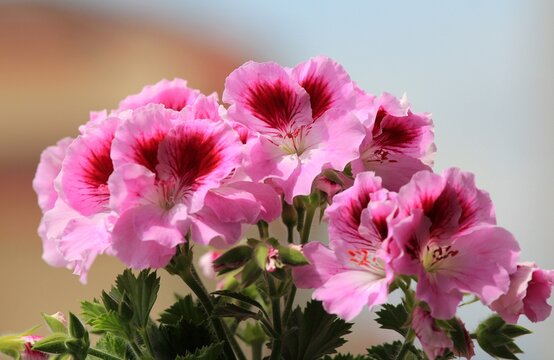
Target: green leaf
x,y
237,312
393,317
388,351
109,323
184,308
495,337
141,291
313,333
456,330
252,333
241,297
291,256
250,273
211,352
114,345
54,324
90,311
170,341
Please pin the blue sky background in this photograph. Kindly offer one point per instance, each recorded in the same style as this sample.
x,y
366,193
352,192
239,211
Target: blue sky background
x,y
484,69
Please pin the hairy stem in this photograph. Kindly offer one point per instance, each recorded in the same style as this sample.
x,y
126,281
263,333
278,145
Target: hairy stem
x,y
276,313
310,211
410,336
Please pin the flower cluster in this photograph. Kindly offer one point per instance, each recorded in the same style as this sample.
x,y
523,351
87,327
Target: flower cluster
x,y
171,165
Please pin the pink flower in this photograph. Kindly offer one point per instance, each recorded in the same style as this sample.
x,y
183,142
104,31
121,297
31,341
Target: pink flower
x,y
173,95
433,339
352,272
530,288
398,143
206,263
332,182
28,352
445,234
297,115
175,173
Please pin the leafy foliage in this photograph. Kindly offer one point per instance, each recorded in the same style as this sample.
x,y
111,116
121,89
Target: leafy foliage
x,y
393,317
141,291
346,357
210,352
496,337
183,330
114,345
388,351
313,333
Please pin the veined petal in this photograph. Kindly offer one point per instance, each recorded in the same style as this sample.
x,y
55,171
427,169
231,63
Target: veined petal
x,y
265,98
87,167
327,83
197,156
345,214
207,229
173,95
133,185
48,169
137,140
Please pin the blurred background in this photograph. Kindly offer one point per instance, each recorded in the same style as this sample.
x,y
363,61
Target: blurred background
x,y
484,69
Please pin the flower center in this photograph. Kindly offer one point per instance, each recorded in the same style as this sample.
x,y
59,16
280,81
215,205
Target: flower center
x,y
367,260
434,254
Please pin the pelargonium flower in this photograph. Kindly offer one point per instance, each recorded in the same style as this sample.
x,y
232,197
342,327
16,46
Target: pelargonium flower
x,y
28,352
352,272
445,234
398,143
77,227
530,288
432,338
173,95
303,118
175,173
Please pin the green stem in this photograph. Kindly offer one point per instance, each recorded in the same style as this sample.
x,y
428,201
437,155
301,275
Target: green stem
x,y
289,304
276,312
263,229
257,350
410,336
190,278
290,234
146,339
101,354
310,211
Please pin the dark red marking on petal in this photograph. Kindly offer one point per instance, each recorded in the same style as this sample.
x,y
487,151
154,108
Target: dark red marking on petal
x,y
444,213
97,170
146,151
321,98
191,156
394,133
276,104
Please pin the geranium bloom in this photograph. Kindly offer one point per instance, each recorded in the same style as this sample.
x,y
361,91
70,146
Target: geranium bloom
x,y
169,177
398,143
445,234
173,95
530,288
352,272
206,263
28,352
303,118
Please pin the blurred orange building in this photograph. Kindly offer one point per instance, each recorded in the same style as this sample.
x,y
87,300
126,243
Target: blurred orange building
x,y
56,65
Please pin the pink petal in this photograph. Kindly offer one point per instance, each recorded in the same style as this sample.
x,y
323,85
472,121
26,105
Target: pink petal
x,y
173,95
137,140
344,215
323,265
48,169
266,99
346,293
510,305
204,107
197,156
87,167
146,237
539,290
207,229
327,83
131,185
